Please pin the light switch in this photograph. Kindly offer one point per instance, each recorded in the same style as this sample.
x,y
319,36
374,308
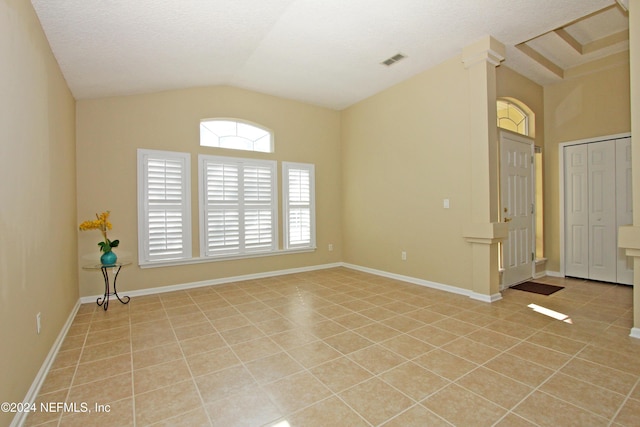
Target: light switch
x,y
445,203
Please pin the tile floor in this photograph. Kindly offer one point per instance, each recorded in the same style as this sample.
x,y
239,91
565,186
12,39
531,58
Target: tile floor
x,y
340,347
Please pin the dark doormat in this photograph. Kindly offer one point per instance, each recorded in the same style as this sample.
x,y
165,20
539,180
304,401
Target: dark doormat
x,y
537,288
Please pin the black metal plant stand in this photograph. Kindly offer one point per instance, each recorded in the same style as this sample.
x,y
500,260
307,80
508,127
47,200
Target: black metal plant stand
x,y
104,300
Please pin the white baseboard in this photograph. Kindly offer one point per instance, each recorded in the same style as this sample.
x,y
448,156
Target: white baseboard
x,y
485,298
554,273
33,391
213,282
32,394
427,283
221,281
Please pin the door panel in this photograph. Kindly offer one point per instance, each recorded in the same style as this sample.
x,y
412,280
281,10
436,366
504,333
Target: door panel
x,y
578,243
602,211
576,211
517,198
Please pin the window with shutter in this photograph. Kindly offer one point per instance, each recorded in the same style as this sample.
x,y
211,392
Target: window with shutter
x,y
299,205
238,206
164,218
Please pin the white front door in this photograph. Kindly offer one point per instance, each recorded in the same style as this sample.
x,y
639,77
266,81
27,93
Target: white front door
x,y
517,207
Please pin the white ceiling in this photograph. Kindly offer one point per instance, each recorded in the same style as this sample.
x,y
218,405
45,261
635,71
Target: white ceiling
x,y
325,52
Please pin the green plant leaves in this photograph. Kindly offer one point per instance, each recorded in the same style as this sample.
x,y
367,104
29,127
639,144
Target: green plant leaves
x,y
106,246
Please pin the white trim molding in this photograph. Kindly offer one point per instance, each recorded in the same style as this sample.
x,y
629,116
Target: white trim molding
x,y
33,391
224,280
214,282
427,283
554,273
485,298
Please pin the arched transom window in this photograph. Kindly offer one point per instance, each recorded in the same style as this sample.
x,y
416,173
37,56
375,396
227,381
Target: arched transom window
x,y
235,134
512,117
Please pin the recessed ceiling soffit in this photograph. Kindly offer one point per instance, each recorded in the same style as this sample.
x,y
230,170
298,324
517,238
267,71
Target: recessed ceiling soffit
x,y
592,42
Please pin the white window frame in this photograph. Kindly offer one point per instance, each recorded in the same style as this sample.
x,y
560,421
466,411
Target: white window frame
x,y
289,204
234,146
146,255
242,249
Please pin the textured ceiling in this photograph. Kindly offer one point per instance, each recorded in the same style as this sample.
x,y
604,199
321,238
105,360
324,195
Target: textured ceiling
x,y
324,52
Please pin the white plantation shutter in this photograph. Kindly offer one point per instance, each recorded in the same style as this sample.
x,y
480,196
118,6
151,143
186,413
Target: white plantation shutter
x,y
222,207
260,202
299,204
238,203
164,219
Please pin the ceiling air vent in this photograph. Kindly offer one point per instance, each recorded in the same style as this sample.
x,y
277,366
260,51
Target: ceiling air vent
x,y
393,59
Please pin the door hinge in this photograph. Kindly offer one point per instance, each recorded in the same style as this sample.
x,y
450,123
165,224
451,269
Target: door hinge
x,y
533,256
533,209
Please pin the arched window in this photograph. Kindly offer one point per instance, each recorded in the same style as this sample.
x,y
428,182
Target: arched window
x,y
512,117
235,134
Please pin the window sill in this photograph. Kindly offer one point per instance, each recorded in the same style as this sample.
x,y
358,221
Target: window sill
x,y
202,260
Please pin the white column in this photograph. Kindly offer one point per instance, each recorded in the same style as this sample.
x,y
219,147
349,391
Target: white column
x,y
484,231
629,236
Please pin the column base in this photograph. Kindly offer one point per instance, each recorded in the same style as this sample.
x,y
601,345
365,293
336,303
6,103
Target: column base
x,y
484,240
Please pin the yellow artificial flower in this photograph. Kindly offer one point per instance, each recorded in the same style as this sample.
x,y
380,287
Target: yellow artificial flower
x,y
103,224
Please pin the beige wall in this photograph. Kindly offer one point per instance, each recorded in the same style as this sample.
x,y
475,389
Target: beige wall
x,y
38,200
594,105
383,168
404,151
110,130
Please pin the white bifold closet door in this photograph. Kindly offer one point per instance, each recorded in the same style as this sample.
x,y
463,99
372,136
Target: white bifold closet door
x,y
597,202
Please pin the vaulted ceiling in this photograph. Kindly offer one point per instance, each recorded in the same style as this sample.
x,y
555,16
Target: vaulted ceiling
x,y
327,52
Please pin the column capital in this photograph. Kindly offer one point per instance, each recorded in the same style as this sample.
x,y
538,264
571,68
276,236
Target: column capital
x,y
486,233
487,50
629,240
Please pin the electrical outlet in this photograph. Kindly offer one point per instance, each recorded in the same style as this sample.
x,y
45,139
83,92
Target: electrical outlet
x,y
404,255
38,323
330,247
